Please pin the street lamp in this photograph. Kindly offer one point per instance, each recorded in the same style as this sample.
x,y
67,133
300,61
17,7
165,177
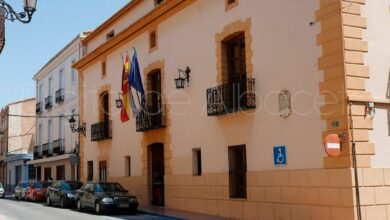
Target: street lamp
x,y
8,13
81,129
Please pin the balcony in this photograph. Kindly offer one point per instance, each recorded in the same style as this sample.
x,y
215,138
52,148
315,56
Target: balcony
x,y
60,95
37,152
38,108
238,95
47,150
101,131
150,120
59,147
48,102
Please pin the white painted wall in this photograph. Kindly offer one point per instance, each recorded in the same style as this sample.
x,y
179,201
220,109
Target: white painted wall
x,y
377,34
284,56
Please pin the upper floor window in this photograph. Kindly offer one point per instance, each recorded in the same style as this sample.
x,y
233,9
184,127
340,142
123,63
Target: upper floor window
x,y
235,57
110,35
73,73
152,41
61,79
157,2
104,69
229,4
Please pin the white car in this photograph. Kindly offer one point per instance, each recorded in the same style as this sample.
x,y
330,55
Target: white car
x,y
2,191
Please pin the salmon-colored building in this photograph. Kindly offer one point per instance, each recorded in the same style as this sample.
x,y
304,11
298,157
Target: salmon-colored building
x,y
244,139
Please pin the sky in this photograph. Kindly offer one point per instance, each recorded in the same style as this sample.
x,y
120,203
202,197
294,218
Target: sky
x,y
30,46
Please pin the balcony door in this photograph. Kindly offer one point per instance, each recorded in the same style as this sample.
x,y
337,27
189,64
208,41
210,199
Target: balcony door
x,y
104,107
154,98
236,71
103,171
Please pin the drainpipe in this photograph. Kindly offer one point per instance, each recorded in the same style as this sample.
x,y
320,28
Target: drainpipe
x,y
2,29
354,161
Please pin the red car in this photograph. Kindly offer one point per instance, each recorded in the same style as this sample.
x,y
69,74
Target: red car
x,y
37,191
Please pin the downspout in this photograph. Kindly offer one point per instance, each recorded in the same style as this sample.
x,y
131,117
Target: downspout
x,y
355,167
2,29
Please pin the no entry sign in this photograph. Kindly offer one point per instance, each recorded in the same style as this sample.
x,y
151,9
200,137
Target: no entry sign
x,y
333,145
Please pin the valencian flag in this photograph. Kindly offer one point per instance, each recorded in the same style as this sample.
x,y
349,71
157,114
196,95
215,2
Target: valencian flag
x,y
125,90
135,82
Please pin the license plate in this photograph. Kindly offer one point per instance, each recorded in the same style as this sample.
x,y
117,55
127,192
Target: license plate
x,y
124,206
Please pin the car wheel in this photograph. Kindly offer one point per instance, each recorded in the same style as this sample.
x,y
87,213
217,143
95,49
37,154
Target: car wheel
x,y
48,201
62,202
78,205
98,208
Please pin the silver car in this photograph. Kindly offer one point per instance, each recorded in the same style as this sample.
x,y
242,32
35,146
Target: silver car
x,y
2,191
20,190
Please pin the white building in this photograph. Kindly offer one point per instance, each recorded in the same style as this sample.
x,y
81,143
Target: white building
x,y
56,150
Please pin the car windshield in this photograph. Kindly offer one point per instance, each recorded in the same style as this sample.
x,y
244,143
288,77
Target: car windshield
x,y
71,185
40,185
108,187
24,185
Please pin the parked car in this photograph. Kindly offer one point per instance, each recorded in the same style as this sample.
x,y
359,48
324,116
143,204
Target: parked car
x,y
37,191
20,190
63,193
103,197
2,191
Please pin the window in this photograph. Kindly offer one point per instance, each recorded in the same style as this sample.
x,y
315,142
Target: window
x,y
127,166
237,171
61,80
60,172
235,58
61,130
90,170
197,162
31,172
104,69
49,129
47,173
103,171
73,73
110,35
50,85
152,40
39,173
157,2
229,4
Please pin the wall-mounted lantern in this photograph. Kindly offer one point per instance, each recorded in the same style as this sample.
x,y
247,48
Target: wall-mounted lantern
x,y
81,129
118,102
184,75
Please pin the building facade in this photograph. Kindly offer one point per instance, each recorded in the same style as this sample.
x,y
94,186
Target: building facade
x,y
18,131
56,148
269,80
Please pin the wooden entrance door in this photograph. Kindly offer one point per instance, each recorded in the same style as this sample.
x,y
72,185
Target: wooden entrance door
x,y
156,174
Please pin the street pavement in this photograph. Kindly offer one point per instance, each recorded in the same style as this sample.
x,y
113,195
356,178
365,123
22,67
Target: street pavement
x,y
20,210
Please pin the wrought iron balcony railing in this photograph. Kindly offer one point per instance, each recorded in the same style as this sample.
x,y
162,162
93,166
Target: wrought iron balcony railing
x,y
149,119
38,108
60,95
48,102
59,147
47,150
37,152
101,131
231,97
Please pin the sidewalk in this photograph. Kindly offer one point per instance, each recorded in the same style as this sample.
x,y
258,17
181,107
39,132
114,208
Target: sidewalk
x,y
176,214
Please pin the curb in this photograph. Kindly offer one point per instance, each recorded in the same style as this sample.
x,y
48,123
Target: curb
x,y
160,215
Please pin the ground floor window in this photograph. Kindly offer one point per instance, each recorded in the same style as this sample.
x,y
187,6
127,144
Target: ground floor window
x,y
39,173
127,166
197,162
31,172
237,171
103,171
47,173
90,170
60,172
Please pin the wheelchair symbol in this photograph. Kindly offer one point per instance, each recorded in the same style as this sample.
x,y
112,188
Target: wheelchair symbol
x,y
280,155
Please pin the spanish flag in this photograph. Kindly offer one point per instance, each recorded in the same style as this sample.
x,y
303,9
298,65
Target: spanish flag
x,y
125,90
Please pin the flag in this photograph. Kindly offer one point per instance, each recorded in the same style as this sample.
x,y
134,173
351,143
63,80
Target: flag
x,y
135,82
125,90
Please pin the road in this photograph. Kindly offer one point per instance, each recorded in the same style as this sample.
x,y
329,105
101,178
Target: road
x,y
20,210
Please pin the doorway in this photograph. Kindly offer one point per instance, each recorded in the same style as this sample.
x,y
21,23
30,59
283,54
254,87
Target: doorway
x,y
103,171
47,174
156,174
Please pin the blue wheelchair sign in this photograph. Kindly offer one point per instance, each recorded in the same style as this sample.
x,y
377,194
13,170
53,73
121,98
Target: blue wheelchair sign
x,y
280,155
